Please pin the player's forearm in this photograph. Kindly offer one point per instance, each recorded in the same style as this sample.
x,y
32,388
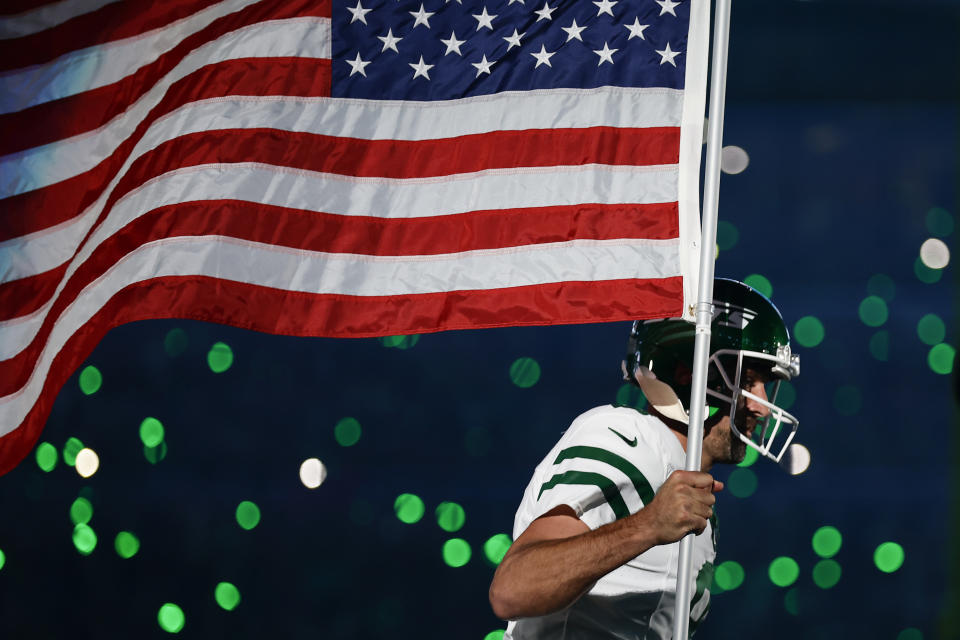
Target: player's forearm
x,y
548,575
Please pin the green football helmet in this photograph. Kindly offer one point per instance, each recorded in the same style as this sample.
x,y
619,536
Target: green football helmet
x,y
747,333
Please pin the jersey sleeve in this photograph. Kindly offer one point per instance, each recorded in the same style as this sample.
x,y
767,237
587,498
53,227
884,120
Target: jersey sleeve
x,y
604,469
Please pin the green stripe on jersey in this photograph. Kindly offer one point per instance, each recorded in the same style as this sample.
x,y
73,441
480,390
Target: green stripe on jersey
x,y
605,485
644,490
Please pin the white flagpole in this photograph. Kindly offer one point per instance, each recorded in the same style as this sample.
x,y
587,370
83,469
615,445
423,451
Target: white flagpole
x,y
704,310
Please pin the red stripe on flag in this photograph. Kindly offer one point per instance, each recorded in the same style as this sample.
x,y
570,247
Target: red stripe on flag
x,y
311,231
73,115
112,22
91,109
43,208
349,156
289,313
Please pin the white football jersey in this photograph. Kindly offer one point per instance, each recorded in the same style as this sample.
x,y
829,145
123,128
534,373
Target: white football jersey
x,y
606,466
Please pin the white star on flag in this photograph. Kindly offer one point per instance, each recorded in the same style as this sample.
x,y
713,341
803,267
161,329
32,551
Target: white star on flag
x,y
666,55
389,41
357,65
483,66
421,17
543,57
605,6
545,12
667,6
359,13
606,54
514,40
512,1
421,69
573,31
636,29
484,19
453,45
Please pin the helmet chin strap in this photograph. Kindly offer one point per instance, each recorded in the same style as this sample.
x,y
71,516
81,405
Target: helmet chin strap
x,y
660,396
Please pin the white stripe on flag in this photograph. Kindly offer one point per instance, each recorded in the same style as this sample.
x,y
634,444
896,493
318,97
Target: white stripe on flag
x,y
348,196
317,272
102,64
365,119
51,163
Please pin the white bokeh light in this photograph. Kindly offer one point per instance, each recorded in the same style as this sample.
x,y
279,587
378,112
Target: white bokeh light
x,y
796,460
87,462
733,160
935,253
312,473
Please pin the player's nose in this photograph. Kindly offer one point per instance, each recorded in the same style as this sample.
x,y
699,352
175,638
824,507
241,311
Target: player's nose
x,y
757,408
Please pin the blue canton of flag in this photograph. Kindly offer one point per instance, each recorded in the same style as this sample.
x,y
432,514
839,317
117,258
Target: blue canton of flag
x,y
443,49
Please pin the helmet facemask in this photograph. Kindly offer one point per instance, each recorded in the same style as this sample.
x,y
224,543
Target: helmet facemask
x,y
772,434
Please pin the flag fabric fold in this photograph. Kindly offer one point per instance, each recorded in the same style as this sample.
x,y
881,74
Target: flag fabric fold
x,y
351,168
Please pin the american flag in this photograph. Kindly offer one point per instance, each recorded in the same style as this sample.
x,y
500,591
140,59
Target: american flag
x,y
360,168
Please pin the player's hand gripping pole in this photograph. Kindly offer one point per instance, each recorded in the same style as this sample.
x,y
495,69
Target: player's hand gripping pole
x,y
704,309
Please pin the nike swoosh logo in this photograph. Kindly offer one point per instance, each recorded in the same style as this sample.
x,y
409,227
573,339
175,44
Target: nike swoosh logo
x,y
631,443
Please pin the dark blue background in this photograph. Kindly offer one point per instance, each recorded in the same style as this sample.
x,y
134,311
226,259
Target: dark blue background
x,y
848,111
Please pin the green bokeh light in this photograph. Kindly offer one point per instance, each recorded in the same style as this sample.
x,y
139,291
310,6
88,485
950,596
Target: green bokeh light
x,y
931,329
873,311
400,342
126,545
809,331
496,547
910,633
826,574
155,454
924,273
3,559
84,539
727,235
791,601
630,395
495,635
408,507
151,432
941,358
784,571
46,456
882,285
456,552
347,432
786,395
71,449
751,457
729,575
939,222
827,541
81,511
227,596
880,346
742,483
90,380
220,357
524,372
760,283
248,515
450,516
847,400
888,557
175,342
171,618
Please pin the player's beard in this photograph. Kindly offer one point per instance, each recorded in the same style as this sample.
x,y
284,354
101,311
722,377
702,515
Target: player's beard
x,y
738,448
